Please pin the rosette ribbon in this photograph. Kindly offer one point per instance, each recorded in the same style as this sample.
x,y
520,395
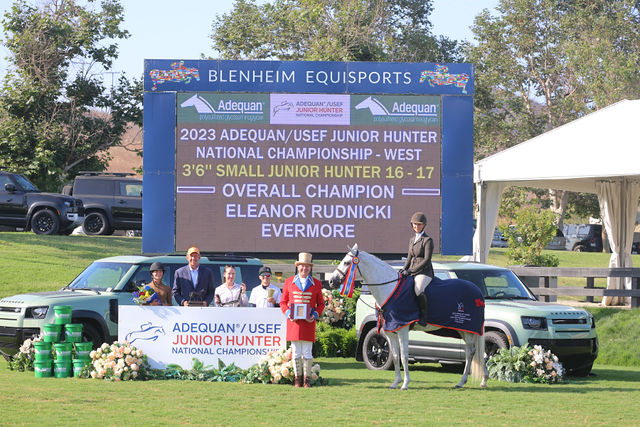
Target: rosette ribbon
x,y
350,279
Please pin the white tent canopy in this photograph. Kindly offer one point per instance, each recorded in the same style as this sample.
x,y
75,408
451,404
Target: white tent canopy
x,y
598,153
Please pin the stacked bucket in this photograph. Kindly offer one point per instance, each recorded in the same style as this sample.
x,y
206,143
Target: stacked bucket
x,y
61,341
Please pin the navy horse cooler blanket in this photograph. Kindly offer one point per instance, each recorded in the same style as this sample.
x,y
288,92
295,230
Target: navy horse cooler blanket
x,y
453,304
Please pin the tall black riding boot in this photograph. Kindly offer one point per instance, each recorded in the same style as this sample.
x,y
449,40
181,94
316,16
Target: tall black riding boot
x,y
422,303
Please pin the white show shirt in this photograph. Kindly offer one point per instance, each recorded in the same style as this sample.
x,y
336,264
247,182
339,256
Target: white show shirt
x,y
234,294
259,296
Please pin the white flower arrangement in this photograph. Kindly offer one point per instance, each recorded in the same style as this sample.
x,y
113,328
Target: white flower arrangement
x,y
23,360
116,362
277,368
547,367
525,364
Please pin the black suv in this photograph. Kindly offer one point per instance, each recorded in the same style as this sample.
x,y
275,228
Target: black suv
x,y
22,205
583,237
112,201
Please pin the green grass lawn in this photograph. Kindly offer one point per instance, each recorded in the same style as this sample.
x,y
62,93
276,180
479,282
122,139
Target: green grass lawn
x,y
34,263
354,396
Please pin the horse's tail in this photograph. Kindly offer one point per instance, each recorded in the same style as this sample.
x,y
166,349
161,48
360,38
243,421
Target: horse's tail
x,y
477,364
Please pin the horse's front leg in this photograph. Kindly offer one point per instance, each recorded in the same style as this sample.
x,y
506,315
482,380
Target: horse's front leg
x,y
395,349
403,337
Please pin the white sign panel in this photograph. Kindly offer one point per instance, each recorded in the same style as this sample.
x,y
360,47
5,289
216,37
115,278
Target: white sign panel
x,y
177,335
297,109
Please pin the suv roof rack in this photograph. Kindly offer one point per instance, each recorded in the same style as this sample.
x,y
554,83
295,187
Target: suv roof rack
x,y
96,173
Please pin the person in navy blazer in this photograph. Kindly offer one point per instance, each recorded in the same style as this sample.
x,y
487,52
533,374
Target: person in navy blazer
x,y
184,278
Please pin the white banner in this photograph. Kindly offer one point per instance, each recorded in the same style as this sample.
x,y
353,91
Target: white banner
x,y
179,334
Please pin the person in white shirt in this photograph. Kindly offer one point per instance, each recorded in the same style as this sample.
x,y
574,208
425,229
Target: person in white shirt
x,y
265,294
231,294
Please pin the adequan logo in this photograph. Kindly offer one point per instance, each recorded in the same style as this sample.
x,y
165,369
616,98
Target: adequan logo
x,y
398,109
224,106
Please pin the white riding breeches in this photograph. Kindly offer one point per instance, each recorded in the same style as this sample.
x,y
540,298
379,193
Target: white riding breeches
x,y
301,349
421,281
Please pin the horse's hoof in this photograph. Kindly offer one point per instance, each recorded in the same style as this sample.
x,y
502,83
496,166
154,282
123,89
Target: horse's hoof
x,y
404,388
393,387
457,386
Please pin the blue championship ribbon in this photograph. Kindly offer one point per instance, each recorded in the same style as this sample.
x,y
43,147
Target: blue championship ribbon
x,y
350,279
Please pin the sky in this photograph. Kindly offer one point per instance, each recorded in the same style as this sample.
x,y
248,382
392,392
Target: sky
x,y
166,29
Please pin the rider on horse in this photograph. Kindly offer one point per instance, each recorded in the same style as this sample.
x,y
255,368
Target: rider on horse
x,y
418,263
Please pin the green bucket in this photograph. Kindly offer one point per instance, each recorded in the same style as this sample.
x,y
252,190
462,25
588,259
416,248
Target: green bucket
x,y
83,349
62,368
62,314
78,365
42,368
63,350
51,332
73,332
42,351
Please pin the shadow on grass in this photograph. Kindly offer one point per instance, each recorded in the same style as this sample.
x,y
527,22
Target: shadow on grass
x,y
375,381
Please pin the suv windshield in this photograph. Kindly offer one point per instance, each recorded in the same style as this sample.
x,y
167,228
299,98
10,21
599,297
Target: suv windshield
x,y
101,276
25,184
495,284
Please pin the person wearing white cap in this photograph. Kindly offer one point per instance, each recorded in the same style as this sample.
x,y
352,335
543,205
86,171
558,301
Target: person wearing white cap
x,y
302,303
265,294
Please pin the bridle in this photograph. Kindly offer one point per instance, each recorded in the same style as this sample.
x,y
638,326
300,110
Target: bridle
x,y
343,274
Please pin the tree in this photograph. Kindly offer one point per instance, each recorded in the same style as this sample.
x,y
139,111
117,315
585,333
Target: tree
x,y
542,63
56,117
534,229
332,30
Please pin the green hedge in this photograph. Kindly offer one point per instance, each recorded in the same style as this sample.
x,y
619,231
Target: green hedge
x,y
334,342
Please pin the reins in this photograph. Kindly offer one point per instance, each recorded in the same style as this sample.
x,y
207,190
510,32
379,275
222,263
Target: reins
x,y
369,284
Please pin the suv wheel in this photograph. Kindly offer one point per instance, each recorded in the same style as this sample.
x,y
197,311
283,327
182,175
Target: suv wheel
x,y
96,223
493,343
376,351
578,248
90,333
581,372
45,222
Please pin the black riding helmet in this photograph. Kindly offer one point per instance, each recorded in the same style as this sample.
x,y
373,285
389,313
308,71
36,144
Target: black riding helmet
x,y
418,217
156,266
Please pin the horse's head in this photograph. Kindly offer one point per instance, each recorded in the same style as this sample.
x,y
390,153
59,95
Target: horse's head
x,y
340,272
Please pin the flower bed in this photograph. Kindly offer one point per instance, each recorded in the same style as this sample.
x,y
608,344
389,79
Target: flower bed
x,y
23,360
525,364
116,362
